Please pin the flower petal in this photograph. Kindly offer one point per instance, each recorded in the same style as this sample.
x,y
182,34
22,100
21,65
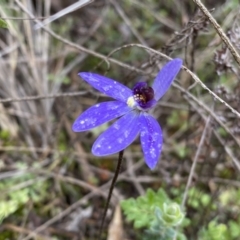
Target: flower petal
x,y
99,114
165,77
151,139
108,86
116,138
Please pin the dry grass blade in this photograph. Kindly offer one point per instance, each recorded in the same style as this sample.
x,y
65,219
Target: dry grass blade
x,y
115,231
65,11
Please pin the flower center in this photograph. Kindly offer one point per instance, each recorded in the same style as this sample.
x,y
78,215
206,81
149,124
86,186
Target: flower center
x,y
142,94
142,98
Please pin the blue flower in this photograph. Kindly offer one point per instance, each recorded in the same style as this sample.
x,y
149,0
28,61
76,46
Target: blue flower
x,y
131,107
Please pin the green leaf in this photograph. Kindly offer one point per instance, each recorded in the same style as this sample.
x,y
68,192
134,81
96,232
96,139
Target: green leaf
x,y
7,208
3,24
205,200
141,210
234,229
12,200
214,231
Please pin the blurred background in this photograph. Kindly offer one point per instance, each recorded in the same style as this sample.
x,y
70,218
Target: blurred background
x,y
52,187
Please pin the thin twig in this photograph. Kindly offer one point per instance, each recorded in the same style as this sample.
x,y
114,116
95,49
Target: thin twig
x,y
128,22
226,148
132,174
21,18
41,97
146,7
193,167
18,229
219,30
195,161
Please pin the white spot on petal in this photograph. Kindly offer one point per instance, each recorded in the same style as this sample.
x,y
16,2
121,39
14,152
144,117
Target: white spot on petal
x,y
143,133
155,137
112,107
91,121
152,153
120,140
92,79
126,134
107,88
